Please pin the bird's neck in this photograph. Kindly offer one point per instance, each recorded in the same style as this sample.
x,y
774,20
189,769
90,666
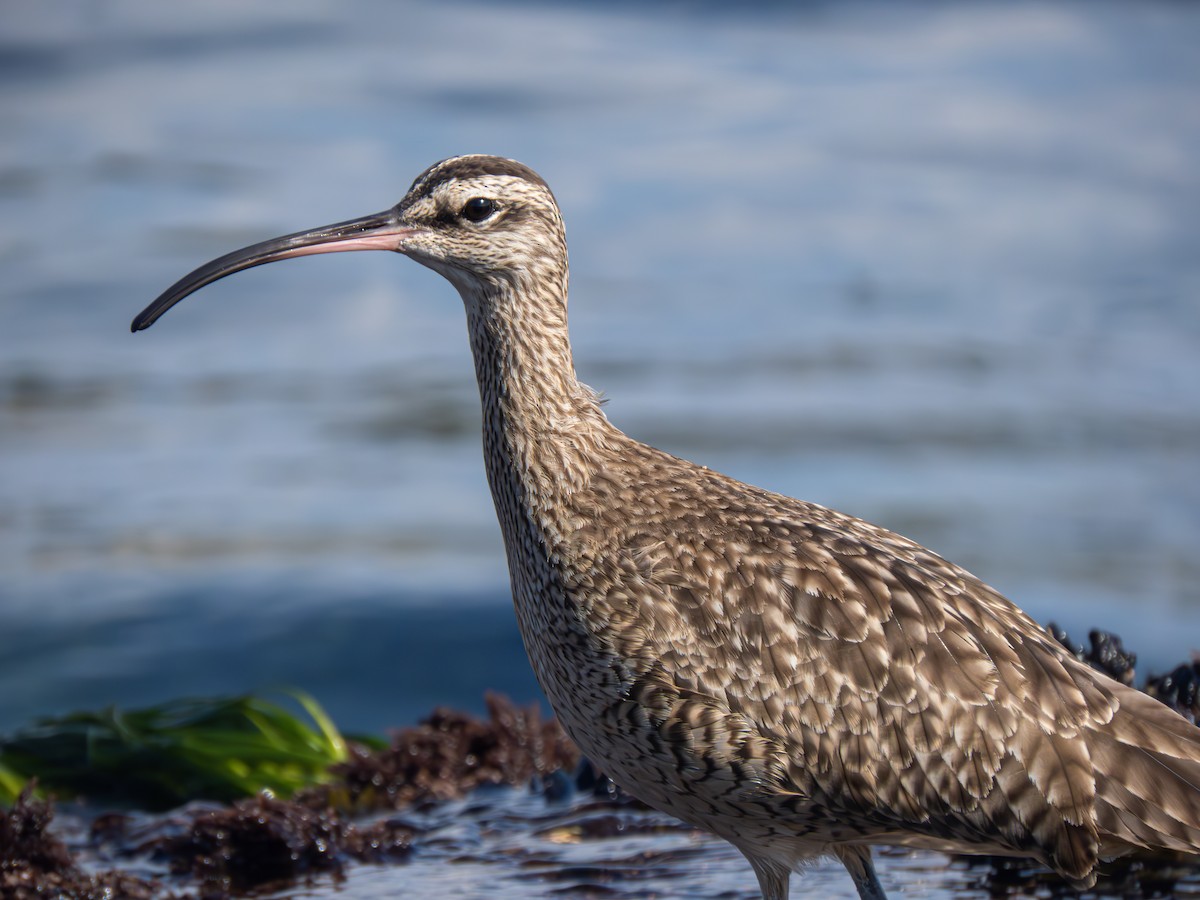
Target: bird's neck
x,y
543,431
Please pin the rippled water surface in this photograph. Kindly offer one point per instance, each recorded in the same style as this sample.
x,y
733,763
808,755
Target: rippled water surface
x,y
512,844
932,264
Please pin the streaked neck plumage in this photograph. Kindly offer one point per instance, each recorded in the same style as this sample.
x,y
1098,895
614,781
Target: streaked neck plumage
x,y
544,433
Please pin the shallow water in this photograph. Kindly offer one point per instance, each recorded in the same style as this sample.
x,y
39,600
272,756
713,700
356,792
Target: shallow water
x,y
931,264
512,844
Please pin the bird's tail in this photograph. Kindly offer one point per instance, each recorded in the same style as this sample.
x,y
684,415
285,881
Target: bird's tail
x,y
1147,765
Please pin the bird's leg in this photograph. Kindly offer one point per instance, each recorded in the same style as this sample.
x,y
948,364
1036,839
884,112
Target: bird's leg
x,y
857,861
772,877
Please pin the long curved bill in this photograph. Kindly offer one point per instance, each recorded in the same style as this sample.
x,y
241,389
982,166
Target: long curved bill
x,y
381,231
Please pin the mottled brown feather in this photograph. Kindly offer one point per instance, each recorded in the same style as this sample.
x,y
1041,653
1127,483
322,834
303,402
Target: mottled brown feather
x,y
794,679
854,686
893,691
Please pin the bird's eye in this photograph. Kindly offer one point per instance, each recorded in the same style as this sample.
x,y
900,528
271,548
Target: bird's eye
x,y
478,208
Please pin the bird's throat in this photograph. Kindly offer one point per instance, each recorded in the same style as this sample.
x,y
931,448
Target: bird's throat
x,y
543,431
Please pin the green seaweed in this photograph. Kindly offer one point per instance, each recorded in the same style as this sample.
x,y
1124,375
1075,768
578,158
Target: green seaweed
x,y
157,757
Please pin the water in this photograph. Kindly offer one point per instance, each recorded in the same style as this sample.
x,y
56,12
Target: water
x,y
514,844
931,264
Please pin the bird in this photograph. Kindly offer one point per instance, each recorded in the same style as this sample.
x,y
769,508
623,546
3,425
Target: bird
x,y
790,678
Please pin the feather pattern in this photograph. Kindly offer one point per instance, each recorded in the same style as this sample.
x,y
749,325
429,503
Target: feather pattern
x,y
792,678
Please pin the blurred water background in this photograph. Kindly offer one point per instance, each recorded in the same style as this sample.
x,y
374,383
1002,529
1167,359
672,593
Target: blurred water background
x,y
933,264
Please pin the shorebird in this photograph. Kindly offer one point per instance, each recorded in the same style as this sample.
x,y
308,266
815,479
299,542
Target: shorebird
x,y
793,679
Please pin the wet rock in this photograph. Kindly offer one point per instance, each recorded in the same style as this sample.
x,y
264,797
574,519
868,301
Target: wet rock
x,y
1105,653
36,864
265,843
1179,689
451,753
386,841
25,838
255,843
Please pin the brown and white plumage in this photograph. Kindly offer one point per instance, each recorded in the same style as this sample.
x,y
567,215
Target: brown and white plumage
x,y
796,680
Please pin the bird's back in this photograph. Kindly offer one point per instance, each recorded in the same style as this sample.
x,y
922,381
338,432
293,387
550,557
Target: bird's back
x,y
794,678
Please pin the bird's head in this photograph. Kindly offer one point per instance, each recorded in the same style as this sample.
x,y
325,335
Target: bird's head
x,y
480,221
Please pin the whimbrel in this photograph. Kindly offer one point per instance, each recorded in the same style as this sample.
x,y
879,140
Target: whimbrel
x,y
797,681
